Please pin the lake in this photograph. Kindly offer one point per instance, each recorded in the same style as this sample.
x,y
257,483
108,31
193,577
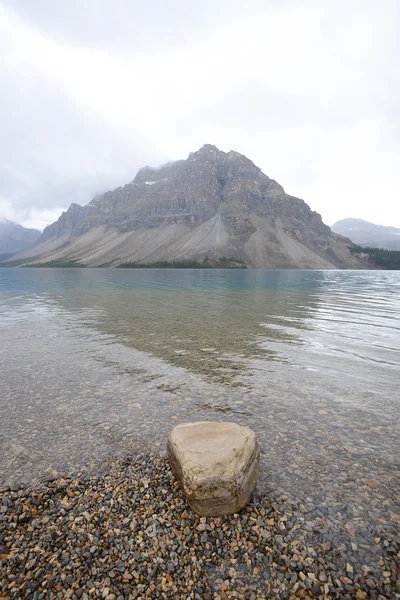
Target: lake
x,y
101,362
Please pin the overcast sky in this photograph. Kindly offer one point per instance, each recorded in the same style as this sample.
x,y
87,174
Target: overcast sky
x,y
92,90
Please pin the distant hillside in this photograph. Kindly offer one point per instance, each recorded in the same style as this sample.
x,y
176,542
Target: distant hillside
x,y
368,234
14,237
214,204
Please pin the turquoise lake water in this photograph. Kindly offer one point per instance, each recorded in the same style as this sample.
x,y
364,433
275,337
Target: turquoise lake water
x,y
99,362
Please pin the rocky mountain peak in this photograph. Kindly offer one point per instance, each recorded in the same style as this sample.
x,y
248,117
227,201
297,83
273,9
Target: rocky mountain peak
x,y
207,152
210,153
214,203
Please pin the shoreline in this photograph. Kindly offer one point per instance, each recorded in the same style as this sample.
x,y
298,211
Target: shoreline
x,y
127,533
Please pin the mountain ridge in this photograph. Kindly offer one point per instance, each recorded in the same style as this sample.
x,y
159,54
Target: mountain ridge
x,y
214,203
365,233
14,237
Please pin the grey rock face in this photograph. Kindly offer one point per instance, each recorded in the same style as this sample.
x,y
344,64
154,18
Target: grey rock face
x,y
216,465
187,191
216,204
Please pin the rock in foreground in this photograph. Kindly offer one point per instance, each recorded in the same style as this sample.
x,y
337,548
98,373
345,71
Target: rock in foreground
x,y
216,465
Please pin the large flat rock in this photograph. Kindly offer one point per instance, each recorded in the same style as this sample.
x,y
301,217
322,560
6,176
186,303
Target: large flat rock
x,y
216,465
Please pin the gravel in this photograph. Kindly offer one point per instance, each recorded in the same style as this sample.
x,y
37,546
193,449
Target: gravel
x,y
126,532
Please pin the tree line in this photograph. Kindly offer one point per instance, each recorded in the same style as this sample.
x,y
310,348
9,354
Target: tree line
x,y
385,259
220,263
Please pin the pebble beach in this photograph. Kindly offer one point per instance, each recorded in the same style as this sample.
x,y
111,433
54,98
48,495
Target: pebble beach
x,y
127,533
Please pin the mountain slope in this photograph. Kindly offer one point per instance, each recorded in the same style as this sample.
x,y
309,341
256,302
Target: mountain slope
x,y
213,204
364,233
14,237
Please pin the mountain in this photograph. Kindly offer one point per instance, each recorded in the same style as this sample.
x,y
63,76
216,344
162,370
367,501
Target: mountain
x,y
14,237
364,233
212,204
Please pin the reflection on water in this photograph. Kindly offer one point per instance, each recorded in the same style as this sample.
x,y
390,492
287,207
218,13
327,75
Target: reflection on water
x,y
96,361
205,321
211,321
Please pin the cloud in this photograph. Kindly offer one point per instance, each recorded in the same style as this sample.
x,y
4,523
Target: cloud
x,y
95,90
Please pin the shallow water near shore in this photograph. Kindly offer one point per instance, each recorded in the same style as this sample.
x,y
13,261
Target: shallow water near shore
x,y
100,362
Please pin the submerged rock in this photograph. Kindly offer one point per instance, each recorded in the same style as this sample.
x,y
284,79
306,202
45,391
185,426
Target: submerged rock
x,y
216,465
